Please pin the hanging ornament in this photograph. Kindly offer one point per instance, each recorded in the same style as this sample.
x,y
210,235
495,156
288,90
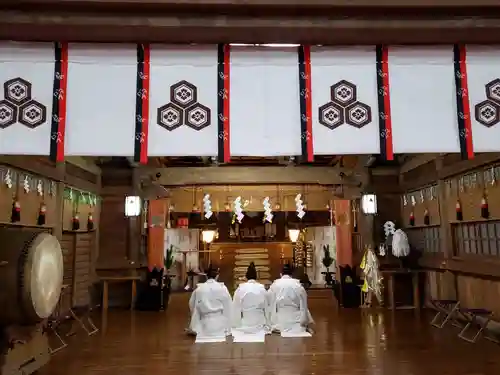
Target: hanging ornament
x,y
41,214
207,206
75,222
26,184
405,201
90,222
413,201
227,207
427,218
268,214
15,215
171,208
238,210
299,206
412,219
458,211
195,208
277,207
70,194
8,179
52,188
485,212
422,198
493,177
39,188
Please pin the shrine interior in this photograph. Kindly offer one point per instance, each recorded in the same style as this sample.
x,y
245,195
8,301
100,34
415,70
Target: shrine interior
x,y
158,140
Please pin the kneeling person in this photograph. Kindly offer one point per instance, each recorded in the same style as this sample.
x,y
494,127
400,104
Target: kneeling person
x,y
250,305
288,304
210,306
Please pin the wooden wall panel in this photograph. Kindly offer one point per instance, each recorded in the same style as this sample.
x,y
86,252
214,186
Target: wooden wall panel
x,y
481,293
84,243
113,233
31,202
440,285
431,203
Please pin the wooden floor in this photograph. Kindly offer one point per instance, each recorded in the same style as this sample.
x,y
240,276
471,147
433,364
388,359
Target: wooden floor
x,y
347,342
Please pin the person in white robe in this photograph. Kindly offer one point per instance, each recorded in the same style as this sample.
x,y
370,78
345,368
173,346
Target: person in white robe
x,y
250,306
288,305
210,306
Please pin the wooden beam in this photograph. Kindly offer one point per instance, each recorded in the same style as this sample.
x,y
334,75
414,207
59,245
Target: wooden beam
x,y
482,268
84,164
417,161
226,175
464,166
34,165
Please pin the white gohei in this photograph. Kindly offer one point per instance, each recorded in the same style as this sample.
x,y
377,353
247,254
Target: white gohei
x,y
238,209
39,188
8,179
207,206
26,184
400,244
299,206
389,228
268,211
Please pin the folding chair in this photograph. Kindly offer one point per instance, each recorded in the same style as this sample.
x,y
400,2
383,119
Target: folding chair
x,y
81,315
446,310
57,317
471,316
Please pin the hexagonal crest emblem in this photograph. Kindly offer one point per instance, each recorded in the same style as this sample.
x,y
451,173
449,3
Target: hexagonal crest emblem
x,y
343,93
331,115
487,113
493,90
358,115
197,116
183,94
8,114
17,91
169,116
32,114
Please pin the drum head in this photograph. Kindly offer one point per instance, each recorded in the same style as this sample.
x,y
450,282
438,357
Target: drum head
x,y
44,274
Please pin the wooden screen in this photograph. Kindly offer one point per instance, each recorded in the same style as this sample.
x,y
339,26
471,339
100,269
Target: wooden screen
x,y
477,238
425,239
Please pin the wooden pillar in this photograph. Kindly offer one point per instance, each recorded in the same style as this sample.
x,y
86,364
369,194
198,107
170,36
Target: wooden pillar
x,y
449,279
156,232
60,185
343,233
445,228
134,223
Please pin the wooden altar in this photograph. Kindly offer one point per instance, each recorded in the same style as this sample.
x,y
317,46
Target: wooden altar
x,y
234,258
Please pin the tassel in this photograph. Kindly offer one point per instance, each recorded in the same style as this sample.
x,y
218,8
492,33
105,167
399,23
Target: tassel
x,y
15,216
90,222
412,219
458,210
485,212
75,225
41,215
427,219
